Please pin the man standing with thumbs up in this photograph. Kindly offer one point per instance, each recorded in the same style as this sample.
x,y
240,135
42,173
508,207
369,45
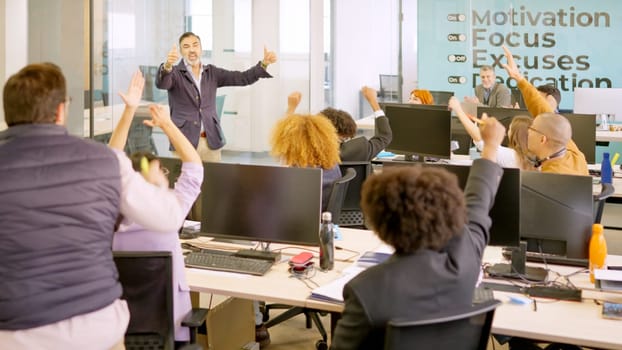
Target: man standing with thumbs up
x,y
192,92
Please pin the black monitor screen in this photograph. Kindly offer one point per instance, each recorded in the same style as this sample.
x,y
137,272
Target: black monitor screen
x,y
505,230
262,203
503,115
556,213
419,132
584,134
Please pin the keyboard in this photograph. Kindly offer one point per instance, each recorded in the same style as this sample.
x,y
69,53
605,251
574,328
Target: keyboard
x,y
482,294
227,262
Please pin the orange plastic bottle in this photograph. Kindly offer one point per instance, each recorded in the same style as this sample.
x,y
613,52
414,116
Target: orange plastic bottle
x,y
598,250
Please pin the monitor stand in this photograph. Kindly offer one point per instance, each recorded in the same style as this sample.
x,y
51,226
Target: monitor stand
x,y
517,268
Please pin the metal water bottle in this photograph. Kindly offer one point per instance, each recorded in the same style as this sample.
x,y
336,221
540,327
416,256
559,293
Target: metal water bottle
x,y
327,242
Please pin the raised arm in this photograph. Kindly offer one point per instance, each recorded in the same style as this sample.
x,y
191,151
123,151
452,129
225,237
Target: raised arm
x,y
372,98
293,100
131,100
468,124
164,80
536,103
183,147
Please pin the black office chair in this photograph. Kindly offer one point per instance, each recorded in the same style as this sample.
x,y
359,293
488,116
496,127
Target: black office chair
x,y
335,202
606,191
140,136
338,194
466,329
147,280
441,97
389,88
351,214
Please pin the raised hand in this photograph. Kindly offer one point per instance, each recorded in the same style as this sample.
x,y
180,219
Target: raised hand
x,y
454,104
269,57
491,130
159,117
369,93
135,91
172,57
293,100
511,67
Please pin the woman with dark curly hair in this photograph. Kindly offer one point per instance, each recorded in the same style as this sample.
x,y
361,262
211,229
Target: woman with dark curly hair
x,y
439,234
359,148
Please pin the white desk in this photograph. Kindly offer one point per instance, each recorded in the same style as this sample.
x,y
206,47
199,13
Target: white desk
x,y
276,285
611,136
554,321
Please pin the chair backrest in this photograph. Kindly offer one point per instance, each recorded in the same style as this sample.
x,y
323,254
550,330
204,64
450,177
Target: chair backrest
x,y
466,329
389,87
441,97
517,97
147,278
338,194
351,214
607,190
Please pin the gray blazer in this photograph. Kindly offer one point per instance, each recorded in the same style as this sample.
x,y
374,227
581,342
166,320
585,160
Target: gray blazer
x,y
189,108
425,282
500,96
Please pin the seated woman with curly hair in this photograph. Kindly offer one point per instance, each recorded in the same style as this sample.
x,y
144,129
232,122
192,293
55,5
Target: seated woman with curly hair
x,y
439,234
308,141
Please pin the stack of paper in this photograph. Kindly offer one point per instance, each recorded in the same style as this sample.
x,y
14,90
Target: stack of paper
x,y
333,291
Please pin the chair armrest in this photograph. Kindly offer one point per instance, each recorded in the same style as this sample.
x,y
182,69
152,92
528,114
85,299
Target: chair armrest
x,y
194,318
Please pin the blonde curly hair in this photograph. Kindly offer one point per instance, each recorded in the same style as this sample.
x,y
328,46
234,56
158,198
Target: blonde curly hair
x,y
306,141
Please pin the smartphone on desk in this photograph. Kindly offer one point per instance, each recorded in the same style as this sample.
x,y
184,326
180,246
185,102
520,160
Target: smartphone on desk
x,y
612,310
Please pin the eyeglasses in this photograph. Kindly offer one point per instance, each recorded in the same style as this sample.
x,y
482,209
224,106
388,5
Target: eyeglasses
x,y
537,131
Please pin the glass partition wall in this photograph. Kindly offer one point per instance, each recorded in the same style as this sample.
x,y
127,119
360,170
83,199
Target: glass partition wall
x,y
130,35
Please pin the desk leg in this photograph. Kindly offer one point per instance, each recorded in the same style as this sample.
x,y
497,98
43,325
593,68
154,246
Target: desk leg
x,y
194,299
334,317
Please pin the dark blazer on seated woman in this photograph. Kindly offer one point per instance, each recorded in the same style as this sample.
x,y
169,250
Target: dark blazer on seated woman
x,y
424,282
362,149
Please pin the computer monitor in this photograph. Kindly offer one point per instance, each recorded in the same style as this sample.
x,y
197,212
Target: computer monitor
x,y
419,132
261,203
505,229
557,216
584,133
506,225
503,115
437,107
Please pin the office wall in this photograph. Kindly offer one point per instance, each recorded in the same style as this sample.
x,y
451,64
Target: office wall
x,y
366,45
56,34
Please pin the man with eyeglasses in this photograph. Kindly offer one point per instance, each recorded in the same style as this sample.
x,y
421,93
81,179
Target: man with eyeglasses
x,y
550,135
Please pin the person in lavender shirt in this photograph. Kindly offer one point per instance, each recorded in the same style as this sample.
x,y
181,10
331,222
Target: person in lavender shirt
x,y
133,237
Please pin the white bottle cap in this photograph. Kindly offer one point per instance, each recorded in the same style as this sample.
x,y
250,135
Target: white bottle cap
x,y
327,216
